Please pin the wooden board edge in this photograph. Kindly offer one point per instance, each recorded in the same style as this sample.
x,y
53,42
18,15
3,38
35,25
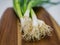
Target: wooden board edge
x,y
56,26
19,33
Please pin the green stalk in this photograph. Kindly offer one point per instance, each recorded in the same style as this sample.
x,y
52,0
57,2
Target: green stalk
x,y
30,5
28,10
25,6
32,12
17,8
33,15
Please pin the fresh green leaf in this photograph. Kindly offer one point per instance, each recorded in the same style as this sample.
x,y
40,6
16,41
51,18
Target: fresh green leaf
x,y
17,8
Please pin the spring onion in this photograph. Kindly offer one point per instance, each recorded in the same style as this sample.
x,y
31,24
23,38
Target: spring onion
x,y
32,27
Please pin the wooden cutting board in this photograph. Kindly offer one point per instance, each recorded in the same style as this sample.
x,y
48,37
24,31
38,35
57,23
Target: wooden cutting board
x,y
10,35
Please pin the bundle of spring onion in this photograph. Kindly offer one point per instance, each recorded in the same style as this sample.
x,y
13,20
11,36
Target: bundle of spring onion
x,y
32,28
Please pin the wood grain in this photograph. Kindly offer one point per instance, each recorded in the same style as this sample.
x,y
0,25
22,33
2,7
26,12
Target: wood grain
x,y
8,31
11,35
56,26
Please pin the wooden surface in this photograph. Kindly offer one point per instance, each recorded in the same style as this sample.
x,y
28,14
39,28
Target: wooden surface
x,y
10,35
8,30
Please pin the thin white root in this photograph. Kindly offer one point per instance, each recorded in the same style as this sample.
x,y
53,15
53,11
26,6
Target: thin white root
x,y
27,28
39,31
44,29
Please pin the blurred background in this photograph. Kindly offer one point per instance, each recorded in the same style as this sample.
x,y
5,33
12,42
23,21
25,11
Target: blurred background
x,y
53,10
